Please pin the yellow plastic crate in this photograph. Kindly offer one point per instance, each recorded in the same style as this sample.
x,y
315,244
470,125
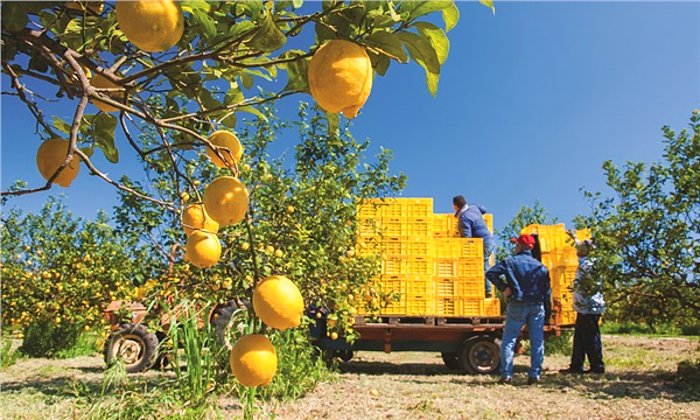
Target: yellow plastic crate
x,y
446,288
471,287
420,285
445,226
563,277
459,267
395,265
405,246
471,306
393,284
458,248
447,306
399,207
488,219
492,307
420,306
419,265
568,317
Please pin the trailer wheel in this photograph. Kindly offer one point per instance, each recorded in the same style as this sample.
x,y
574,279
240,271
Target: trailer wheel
x,y
480,355
450,360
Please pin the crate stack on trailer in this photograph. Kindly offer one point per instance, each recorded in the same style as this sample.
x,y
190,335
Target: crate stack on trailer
x,y
558,254
424,262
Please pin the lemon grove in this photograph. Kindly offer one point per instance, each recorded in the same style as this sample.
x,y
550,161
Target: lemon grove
x,y
164,74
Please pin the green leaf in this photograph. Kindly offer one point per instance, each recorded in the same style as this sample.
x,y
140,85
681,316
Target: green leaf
x,y
269,37
104,126
241,28
14,16
61,125
380,63
437,37
189,6
297,3
252,110
234,95
489,4
229,120
247,80
333,124
423,53
206,23
88,151
425,7
451,16
297,72
388,44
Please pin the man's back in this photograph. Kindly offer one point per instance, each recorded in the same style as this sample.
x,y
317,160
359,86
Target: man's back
x,y
472,224
527,277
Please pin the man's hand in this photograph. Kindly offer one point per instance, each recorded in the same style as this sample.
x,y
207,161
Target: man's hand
x,y
507,292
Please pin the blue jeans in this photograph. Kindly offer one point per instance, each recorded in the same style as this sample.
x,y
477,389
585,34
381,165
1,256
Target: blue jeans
x,y
489,247
517,314
587,343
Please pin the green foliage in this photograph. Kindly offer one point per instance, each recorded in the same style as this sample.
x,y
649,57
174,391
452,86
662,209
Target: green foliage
x,y
63,269
526,215
302,214
636,328
8,355
45,338
227,49
562,344
648,234
688,375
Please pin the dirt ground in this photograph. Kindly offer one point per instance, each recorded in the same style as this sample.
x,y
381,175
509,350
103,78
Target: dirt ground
x,y
638,384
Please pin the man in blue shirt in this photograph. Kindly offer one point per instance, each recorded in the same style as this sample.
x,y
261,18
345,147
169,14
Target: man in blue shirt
x,y
525,282
470,221
589,305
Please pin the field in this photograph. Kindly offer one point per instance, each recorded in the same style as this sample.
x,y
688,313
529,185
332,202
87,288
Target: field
x,y
639,384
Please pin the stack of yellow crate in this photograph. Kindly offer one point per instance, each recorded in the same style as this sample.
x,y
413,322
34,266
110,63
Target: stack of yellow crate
x,y
559,256
424,260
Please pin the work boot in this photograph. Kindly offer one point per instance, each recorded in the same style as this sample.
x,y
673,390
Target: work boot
x,y
571,371
532,381
506,381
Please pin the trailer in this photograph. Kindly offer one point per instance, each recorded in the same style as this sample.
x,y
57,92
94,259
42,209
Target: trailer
x,y
467,344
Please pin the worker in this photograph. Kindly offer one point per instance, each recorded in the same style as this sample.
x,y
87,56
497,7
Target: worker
x,y
589,306
525,282
470,220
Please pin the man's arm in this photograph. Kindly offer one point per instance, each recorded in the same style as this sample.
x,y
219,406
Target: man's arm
x,y
547,296
496,274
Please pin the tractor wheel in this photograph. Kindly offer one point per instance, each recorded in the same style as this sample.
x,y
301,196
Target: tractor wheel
x,y
450,360
480,355
133,345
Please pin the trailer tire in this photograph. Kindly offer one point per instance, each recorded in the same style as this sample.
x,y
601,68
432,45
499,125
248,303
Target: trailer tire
x,y
133,345
480,355
450,360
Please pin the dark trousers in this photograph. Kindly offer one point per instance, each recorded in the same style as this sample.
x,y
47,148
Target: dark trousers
x,y
587,343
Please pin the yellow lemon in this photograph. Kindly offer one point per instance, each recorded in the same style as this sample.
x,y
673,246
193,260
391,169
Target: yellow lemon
x,y
99,81
340,77
278,302
151,25
50,157
334,335
203,249
194,217
253,360
226,200
228,146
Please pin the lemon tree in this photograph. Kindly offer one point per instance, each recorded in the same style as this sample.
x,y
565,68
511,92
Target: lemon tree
x,y
192,68
60,271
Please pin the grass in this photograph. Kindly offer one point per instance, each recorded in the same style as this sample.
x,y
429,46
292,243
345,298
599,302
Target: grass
x,y
8,355
662,330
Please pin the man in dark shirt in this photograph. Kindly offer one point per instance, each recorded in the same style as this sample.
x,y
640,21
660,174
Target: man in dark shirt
x,y
525,282
470,221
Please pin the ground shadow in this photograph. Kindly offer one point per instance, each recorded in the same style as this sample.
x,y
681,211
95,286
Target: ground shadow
x,y
613,385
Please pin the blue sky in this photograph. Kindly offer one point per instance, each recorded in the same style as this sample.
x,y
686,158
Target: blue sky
x,y
531,102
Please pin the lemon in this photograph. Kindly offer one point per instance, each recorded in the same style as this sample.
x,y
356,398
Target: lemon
x,y
50,157
228,146
99,81
278,302
194,217
226,200
340,77
253,360
203,249
151,25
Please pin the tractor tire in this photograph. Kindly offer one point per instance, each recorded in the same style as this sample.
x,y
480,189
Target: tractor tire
x,y
133,345
450,360
480,355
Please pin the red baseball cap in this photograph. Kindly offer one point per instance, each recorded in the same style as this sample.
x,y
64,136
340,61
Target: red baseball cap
x,y
525,240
